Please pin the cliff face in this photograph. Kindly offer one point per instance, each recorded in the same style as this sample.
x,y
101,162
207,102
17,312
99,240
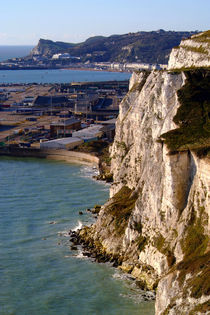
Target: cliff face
x,y
169,224
193,52
48,48
157,220
185,289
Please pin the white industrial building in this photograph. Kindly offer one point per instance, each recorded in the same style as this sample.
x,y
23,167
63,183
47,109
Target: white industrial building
x,y
61,56
89,134
59,144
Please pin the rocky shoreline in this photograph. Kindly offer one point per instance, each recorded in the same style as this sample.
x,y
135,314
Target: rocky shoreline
x,y
80,240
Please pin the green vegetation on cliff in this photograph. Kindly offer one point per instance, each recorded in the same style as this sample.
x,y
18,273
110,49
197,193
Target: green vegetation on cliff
x,y
202,37
196,255
193,116
121,207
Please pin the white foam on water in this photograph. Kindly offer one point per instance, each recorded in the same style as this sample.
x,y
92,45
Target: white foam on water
x,y
92,172
78,226
63,233
139,296
136,294
80,254
122,276
89,171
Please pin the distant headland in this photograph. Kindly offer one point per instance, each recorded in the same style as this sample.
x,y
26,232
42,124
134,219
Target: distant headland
x,y
127,52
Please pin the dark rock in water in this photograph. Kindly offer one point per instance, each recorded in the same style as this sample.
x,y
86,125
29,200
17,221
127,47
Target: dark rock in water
x,y
80,213
88,210
93,255
99,258
73,247
74,240
115,264
87,254
141,284
131,278
96,209
148,296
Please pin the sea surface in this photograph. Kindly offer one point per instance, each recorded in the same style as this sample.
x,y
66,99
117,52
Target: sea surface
x,y
40,201
50,76
59,76
12,51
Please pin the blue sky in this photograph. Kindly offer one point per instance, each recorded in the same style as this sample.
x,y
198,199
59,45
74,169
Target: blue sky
x,y
23,22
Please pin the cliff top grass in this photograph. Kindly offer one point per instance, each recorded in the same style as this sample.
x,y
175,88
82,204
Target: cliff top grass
x,y
193,116
199,50
202,37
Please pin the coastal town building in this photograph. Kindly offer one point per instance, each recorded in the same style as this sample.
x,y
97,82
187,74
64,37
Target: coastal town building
x,y
91,133
61,144
109,128
52,111
56,100
64,127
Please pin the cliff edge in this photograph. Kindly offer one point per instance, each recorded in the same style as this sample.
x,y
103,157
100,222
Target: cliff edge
x,y
192,52
156,222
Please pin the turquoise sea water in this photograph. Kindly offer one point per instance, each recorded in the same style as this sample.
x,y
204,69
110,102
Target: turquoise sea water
x,y
39,274
59,76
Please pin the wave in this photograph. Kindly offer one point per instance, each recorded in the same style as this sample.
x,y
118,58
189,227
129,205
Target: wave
x,y
122,276
80,254
89,171
63,233
78,226
136,294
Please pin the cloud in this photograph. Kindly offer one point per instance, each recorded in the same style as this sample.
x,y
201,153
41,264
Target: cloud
x,y
3,36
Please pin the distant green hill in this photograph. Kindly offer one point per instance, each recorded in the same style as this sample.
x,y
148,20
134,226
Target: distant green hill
x,y
143,47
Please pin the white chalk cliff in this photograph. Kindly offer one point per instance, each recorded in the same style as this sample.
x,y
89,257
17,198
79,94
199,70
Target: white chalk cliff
x,y
157,218
193,52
